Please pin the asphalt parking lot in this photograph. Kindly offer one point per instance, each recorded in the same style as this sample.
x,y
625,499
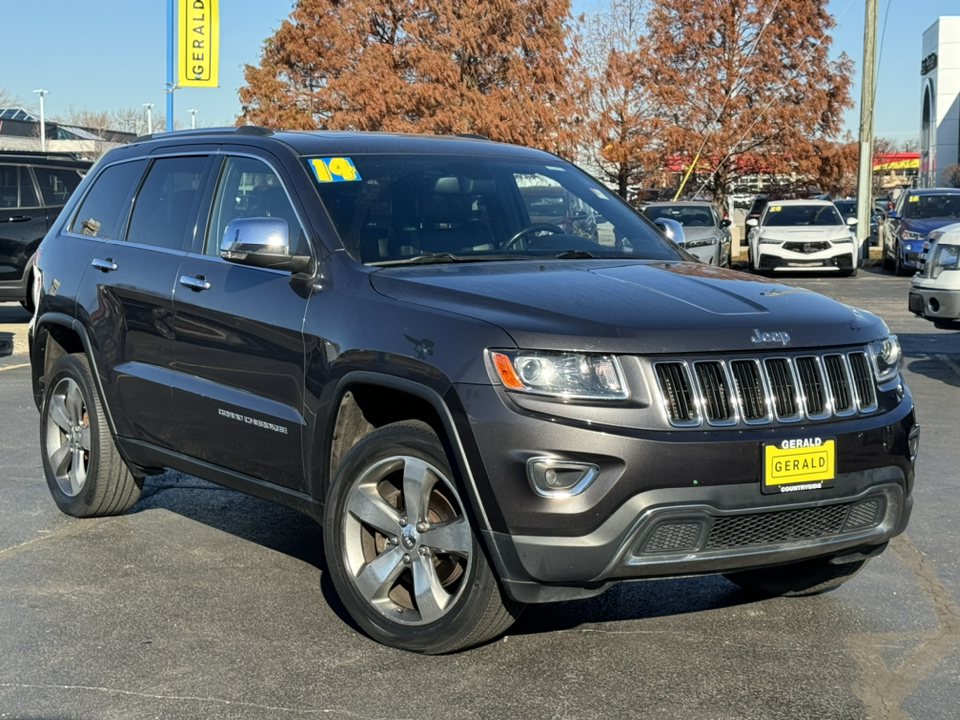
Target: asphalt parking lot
x,y
202,602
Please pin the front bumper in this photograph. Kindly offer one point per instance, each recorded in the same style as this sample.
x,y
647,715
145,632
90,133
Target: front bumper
x,y
709,254
677,502
934,304
792,261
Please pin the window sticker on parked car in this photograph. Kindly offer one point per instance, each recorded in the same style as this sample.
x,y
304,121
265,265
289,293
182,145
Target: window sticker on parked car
x,y
913,198
775,208
335,169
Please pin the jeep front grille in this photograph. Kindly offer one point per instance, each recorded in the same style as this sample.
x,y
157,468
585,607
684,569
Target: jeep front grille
x,y
751,392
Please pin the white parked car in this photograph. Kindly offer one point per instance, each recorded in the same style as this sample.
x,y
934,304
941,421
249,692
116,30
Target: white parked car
x,y
802,235
935,290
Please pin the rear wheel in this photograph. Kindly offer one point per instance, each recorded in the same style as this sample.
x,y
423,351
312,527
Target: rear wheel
x,y
85,473
809,577
401,551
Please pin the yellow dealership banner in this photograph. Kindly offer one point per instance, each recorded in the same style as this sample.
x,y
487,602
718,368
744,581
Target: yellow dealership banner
x,y
198,44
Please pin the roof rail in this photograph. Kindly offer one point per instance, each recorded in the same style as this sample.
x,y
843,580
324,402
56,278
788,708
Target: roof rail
x,y
474,136
200,132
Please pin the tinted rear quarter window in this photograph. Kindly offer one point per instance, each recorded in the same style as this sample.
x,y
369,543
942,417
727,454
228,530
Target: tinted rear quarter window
x,y
106,205
56,184
16,188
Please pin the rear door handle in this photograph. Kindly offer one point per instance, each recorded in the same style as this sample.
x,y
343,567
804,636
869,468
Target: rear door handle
x,y
19,218
195,283
105,265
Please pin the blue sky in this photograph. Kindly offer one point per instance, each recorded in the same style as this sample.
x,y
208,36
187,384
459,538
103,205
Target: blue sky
x,y
111,54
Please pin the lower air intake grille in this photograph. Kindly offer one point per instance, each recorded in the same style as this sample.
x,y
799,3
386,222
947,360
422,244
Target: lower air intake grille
x,y
672,536
788,525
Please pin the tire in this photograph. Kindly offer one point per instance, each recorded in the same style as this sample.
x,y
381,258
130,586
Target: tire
x,y
809,577
85,473
898,268
380,541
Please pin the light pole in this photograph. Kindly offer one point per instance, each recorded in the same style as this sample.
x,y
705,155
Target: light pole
x,y
43,124
149,107
193,119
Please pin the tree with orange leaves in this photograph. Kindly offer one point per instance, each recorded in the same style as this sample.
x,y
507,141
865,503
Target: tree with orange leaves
x,y
745,83
499,68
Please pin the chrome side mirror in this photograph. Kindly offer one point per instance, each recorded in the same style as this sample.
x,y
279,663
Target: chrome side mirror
x,y
261,242
671,228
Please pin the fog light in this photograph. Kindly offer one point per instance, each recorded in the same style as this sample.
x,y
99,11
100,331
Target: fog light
x,y
913,443
554,478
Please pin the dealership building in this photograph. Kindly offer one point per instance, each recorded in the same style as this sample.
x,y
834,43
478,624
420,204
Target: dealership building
x,y
940,100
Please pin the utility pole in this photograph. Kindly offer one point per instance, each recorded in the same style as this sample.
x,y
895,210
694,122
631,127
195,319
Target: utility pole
x,y
43,123
149,107
193,119
869,83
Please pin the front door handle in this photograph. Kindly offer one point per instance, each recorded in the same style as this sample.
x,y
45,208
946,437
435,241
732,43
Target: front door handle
x,y
107,265
19,218
195,283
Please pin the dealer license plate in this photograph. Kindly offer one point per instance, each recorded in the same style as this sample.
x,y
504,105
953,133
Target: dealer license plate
x,y
799,464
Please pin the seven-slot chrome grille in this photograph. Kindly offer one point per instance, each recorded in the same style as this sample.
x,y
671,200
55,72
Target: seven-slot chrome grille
x,y
759,391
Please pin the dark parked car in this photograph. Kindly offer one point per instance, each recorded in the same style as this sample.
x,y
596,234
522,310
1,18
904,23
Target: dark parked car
x,y
918,212
33,190
483,410
848,209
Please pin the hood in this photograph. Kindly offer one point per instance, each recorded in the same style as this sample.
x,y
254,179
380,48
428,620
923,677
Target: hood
x,y
630,307
925,225
806,233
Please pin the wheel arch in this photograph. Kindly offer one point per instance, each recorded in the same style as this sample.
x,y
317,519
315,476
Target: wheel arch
x,y
367,400
57,335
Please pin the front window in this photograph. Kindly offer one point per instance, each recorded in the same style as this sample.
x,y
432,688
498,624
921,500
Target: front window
x,y
391,209
788,215
932,206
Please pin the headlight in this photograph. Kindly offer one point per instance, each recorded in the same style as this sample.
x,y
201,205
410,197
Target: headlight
x,y
561,374
887,358
945,257
770,241
712,240
844,239
910,235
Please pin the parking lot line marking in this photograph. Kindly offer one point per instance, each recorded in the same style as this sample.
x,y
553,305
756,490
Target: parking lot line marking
x,y
949,363
14,367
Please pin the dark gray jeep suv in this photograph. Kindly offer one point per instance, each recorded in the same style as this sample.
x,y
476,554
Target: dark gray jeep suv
x,y
484,411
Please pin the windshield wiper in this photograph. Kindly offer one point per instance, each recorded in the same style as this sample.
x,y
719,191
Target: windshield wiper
x,y
576,255
438,258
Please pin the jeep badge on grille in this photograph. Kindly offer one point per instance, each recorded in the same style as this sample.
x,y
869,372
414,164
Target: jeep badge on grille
x,y
774,337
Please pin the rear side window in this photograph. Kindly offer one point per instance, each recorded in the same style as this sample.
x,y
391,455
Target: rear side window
x,y
56,184
16,188
105,207
165,204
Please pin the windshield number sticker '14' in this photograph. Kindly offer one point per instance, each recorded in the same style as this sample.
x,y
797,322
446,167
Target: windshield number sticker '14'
x,y
335,169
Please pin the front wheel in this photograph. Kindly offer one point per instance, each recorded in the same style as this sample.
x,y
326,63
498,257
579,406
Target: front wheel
x,y
809,577
400,549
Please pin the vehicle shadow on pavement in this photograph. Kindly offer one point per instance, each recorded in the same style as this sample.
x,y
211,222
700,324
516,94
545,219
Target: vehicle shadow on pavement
x,y
267,524
930,355
642,600
289,532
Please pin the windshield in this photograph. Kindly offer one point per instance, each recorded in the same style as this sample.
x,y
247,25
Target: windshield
x,y
783,215
932,206
686,215
846,207
434,208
